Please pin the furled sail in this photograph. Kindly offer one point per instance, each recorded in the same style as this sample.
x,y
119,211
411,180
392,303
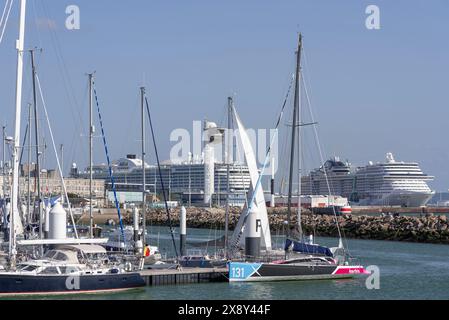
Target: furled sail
x,y
259,198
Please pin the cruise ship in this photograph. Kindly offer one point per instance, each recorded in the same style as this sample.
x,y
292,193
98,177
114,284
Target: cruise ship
x,y
182,180
391,183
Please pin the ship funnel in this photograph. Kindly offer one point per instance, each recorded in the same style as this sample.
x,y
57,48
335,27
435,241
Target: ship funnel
x,y
390,158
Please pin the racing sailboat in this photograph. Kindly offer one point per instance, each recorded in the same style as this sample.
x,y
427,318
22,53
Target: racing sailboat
x,y
299,260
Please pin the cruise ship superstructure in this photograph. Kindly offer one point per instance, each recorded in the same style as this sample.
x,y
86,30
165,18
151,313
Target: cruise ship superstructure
x,y
187,179
391,183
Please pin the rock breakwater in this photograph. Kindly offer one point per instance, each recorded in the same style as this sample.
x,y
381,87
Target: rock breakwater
x,y
429,228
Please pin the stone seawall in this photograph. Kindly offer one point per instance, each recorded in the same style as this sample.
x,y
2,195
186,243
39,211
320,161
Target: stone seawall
x,y
429,229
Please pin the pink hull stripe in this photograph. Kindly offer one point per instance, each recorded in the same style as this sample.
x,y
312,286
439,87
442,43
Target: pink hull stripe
x,y
350,270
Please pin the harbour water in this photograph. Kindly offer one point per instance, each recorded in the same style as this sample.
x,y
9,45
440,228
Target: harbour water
x,y
407,271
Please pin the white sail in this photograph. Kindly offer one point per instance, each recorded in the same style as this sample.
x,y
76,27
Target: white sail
x,y
18,226
259,198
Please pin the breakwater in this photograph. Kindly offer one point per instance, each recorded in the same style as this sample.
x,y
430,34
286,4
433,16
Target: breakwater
x,y
428,229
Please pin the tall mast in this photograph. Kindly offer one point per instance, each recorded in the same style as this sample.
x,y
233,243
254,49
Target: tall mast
x,y
4,161
299,160
144,202
91,133
15,153
36,133
228,161
4,218
29,167
62,171
294,126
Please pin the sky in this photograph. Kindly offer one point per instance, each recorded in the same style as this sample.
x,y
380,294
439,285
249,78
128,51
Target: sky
x,y
372,91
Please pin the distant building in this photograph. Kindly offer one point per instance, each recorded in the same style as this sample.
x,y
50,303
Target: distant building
x,y
440,199
51,185
186,180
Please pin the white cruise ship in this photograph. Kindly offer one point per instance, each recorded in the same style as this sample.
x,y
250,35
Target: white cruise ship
x,y
391,183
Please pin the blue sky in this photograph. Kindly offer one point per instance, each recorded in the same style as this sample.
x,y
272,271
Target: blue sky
x,y
373,91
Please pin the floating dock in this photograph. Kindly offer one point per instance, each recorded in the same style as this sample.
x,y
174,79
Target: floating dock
x,y
158,277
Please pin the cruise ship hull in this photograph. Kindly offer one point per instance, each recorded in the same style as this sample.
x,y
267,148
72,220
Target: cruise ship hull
x,y
400,198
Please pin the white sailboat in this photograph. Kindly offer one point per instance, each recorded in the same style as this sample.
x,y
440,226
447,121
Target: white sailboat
x,y
74,265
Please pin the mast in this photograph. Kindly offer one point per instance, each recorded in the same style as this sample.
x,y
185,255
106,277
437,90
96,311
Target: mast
x,y
228,161
4,163
62,171
294,125
142,102
299,161
190,183
15,153
29,166
91,132
36,132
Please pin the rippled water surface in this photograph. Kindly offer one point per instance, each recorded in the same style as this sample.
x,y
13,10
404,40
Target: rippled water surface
x,y
407,271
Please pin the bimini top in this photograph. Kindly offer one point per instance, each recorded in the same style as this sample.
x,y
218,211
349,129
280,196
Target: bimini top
x,y
84,248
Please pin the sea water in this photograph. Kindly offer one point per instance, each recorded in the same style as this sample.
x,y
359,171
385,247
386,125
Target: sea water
x,y
406,271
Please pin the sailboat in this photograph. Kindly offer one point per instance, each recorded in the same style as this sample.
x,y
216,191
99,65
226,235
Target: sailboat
x,y
134,237
300,260
72,265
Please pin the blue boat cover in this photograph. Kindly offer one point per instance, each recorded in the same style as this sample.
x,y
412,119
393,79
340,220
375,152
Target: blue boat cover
x,y
307,248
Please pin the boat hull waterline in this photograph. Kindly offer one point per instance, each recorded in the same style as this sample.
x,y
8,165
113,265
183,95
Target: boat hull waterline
x,y
22,285
247,271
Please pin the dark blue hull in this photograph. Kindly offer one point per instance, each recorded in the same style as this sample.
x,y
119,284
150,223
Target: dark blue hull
x,y
11,284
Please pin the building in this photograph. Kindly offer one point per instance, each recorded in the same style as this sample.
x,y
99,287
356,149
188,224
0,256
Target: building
x,y
184,182
51,186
